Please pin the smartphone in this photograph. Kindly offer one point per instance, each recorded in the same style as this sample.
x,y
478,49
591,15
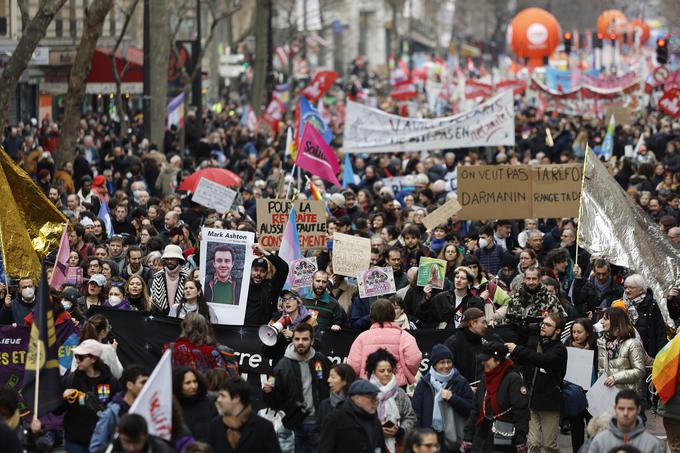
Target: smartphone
x,y
388,424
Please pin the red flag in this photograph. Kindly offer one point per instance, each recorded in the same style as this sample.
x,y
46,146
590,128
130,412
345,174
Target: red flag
x,y
404,92
320,84
274,112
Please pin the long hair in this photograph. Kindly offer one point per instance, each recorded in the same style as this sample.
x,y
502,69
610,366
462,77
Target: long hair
x,y
178,379
620,326
459,256
200,301
146,299
587,325
93,327
196,329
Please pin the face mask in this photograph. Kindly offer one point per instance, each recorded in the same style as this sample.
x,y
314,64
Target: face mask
x,y
483,243
136,194
66,304
27,293
115,300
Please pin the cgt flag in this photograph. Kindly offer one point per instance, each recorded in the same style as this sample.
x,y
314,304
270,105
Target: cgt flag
x,y
316,156
42,389
320,84
154,402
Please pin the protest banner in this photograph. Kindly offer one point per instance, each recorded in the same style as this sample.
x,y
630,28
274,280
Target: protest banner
x,y
494,192
556,190
376,281
302,272
213,195
396,183
272,215
431,271
579,367
442,214
225,261
351,254
370,130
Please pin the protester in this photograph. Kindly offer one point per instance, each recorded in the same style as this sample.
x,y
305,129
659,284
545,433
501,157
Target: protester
x,y
340,377
98,328
94,293
384,333
9,420
598,291
466,344
191,390
324,308
446,308
395,412
264,291
421,440
137,293
167,287
443,399
14,311
192,301
626,427
644,314
354,426
132,435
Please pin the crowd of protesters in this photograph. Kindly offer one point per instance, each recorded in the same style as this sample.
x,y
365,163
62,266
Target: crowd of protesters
x,y
476,393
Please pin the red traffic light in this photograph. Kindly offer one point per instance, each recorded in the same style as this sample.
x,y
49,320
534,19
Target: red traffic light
x,y
612,36
567,36
661,42
600,36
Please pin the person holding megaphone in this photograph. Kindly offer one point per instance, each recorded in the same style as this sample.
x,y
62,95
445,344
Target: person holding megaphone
x,y
278,334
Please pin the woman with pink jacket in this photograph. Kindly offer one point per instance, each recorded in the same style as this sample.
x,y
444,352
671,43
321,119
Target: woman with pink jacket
x,y
384,333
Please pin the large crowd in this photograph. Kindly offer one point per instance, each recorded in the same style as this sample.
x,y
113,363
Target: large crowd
x,y
516,294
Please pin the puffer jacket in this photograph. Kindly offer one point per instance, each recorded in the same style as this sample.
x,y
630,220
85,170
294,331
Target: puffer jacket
x,y
398,342
627,367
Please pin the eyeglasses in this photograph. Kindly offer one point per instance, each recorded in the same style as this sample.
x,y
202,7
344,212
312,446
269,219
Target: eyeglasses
x,y
547,324
289,299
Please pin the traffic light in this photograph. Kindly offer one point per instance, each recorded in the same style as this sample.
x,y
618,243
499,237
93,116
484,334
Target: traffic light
x,y
597,40
567,43
661,51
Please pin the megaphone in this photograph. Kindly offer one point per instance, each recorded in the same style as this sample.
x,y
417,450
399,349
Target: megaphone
x,y
269,333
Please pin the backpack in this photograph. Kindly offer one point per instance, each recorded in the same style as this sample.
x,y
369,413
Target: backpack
x,y
574,399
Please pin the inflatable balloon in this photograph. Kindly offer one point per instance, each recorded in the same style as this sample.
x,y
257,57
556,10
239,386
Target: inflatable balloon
x,y
612,22
534,33
640,28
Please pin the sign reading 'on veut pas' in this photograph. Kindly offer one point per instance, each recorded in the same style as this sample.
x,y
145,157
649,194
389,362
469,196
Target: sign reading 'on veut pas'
x,y
519,191
272,216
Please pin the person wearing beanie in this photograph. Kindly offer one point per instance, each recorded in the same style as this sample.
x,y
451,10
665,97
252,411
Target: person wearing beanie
x,y
466,344
336,204
441,396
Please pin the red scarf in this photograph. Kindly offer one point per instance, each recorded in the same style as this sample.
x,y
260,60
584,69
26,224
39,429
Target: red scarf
x,y
493,380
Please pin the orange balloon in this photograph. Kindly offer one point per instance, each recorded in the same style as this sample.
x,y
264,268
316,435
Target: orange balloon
x,y
611,22
534,33
640,27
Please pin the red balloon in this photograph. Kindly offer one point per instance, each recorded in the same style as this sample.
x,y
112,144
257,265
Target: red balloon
x,y
534,33
612,22
638,26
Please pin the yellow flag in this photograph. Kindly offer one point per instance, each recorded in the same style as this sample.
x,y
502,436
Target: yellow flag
x,y
30,225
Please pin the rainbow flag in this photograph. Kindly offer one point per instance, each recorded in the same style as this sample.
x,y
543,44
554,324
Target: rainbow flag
x,y
290,246
666,370
316,195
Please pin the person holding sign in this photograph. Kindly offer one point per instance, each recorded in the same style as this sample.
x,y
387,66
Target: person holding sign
x,y
263,292
445,310
222,288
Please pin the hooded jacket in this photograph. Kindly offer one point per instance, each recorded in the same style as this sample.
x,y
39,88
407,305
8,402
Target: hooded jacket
x,y
637,437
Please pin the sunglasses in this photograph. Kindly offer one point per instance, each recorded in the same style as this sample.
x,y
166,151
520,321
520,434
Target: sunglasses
x,y
81,357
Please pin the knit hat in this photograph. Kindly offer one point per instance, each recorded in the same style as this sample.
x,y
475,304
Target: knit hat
x,y
98,180
440,352
338,199
261,263
362,387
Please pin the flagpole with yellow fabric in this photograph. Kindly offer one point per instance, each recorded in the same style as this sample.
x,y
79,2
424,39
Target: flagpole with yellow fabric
x,y
30,225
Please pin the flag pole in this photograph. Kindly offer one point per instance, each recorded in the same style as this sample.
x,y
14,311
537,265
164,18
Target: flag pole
x,y
37,377
580,206
290,183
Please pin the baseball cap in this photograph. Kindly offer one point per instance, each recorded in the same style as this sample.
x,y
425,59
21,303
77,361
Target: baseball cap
x,y
493,349
260,262
88,347
99,279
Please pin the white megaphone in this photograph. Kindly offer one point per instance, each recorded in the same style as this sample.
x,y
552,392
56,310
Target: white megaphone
x,y
269,333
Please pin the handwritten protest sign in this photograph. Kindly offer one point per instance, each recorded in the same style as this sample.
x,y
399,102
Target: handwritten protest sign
x,y
351,254
494,192
272,215
442,214
376,281
303,271
431,271
556,190
214,196
519,191
369,130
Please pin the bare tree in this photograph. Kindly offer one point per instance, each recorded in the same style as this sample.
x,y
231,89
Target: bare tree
x,y
25,15
92,30
31,36
120,110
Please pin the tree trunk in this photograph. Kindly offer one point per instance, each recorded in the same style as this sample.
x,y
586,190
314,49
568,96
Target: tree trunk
x,y
31,36
260,67
116,75
25,15
92,30
160,53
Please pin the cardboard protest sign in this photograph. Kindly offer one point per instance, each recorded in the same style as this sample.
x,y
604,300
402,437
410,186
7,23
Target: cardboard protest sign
x,y
556,190
376,281
351,254
622,115
431,271
369,130
272,215
302,272
442,214
214,196
225,261
494,192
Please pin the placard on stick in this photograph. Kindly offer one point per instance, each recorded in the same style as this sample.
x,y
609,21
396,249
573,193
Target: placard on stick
x,y
213,195
351,254
376,281
303,271
272,215
442,214
431,271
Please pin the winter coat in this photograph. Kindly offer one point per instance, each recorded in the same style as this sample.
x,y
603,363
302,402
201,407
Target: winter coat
x,y
360,313
442,308
263,298
511,393
407,416
549,368
153,445
526,303
466,347
586,298
343,432
423,398
637,437
166,183
650,325
257,436
106,425
398,342
159,291
17,312
197,413
627,367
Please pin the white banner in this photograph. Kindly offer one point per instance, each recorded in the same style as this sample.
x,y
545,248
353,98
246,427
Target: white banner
x,y
226,259
154,402
370,130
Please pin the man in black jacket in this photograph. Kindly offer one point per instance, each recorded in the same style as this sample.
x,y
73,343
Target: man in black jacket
x,y
598,291
264,292
544,371
354,425
239,429
300,384
466,344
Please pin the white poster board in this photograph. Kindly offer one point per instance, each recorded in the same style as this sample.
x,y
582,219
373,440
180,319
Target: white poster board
x,y
226,259
601,398
580,367
214,196
351,254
